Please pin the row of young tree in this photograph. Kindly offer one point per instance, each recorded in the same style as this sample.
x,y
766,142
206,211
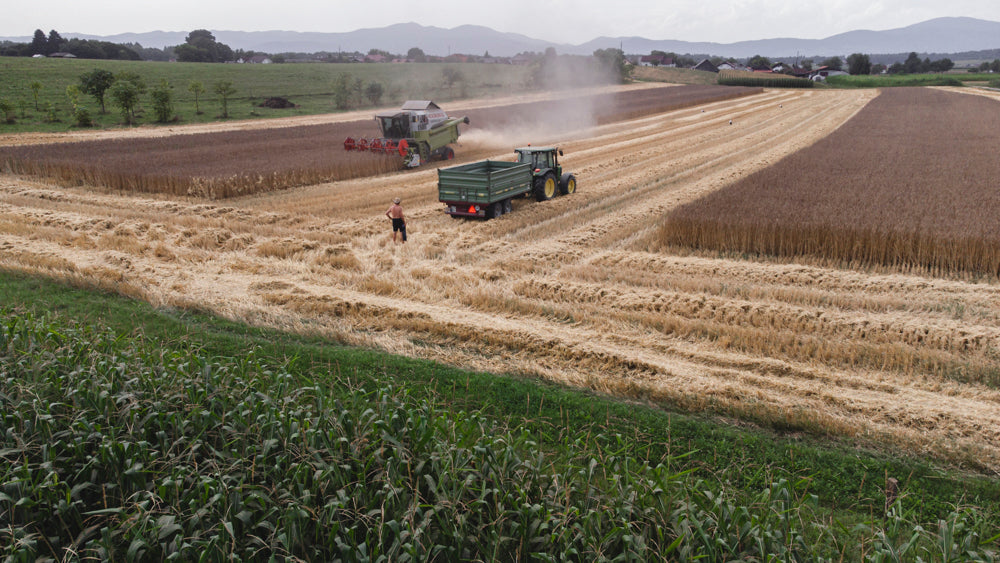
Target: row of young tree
x,y
861,64
53,43
915,65
988,66
125,91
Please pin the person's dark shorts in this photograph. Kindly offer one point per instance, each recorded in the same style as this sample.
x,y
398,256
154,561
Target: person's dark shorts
x,y
398,225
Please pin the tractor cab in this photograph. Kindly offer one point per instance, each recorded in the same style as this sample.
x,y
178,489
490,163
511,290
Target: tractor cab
x,y
541,159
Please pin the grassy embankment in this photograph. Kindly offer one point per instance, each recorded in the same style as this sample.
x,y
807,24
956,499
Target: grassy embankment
x,y
309,86
672,75
144,434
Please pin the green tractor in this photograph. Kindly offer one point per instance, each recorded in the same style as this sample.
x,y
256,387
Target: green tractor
x,y
546,171
419,132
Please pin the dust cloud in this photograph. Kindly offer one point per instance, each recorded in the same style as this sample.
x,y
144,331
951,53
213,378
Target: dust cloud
x,y
540,123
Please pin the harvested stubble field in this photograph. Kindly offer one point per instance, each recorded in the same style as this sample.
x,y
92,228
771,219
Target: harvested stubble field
x,y
233,163
569,289
910,183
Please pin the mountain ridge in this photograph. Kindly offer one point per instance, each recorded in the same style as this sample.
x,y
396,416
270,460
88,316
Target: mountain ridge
x,y
939,35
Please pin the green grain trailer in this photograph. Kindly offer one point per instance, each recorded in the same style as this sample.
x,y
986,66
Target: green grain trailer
x,y
486,188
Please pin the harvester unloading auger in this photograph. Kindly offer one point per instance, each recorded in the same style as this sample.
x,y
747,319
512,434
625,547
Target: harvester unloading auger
x,y
419,132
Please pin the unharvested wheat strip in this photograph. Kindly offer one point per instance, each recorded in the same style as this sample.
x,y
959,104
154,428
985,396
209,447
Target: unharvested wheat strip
x,y
926,222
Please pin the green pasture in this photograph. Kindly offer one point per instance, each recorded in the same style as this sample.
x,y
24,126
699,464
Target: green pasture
x,y
133,433
310,86
898,80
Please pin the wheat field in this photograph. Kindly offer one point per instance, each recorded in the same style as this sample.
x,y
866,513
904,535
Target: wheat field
x,y
225,164
908,184
573,289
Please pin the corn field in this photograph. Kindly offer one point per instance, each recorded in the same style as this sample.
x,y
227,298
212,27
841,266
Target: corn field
x,y
883,190
761,80
116,448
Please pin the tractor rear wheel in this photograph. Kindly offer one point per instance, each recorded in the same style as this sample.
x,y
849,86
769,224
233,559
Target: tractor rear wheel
x,y
545,187
568,184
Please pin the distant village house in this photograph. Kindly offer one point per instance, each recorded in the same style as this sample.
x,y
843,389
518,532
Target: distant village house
x,y
707,66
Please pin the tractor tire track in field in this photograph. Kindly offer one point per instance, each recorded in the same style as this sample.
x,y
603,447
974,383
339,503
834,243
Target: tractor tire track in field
x,y
566,289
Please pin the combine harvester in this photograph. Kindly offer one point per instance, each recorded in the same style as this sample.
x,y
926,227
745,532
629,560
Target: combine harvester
x,y
420,132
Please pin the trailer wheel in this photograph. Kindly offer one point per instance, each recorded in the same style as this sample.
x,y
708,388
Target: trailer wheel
x,y
545,187
568,184
507,206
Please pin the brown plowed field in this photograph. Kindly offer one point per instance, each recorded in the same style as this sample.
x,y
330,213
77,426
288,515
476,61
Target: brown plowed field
x,y
567,289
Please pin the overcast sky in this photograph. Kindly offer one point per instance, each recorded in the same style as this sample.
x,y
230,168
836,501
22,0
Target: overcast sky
x,y
562,21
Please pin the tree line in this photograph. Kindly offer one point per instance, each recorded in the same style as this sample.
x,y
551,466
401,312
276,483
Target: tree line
x,y
199,46
125,90
48,45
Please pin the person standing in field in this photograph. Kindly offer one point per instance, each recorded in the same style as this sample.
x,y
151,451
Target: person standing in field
x,y
395,212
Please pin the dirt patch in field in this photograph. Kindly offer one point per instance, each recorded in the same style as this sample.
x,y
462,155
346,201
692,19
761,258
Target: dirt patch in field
x,y
277,103
566,289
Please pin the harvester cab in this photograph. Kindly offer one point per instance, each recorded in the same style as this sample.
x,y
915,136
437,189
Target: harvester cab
x,y
419,131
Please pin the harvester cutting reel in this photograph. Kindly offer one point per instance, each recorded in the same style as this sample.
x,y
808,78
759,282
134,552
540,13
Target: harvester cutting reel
x,y
413,154
384,146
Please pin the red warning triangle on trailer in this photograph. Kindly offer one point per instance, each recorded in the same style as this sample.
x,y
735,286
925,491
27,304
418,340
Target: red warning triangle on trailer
x,y
472,209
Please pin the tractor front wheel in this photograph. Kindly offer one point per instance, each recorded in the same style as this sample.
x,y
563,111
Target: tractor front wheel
x,y
567,184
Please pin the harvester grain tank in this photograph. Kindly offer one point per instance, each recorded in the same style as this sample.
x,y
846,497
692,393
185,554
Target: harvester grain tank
x,y
486,188
419,132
